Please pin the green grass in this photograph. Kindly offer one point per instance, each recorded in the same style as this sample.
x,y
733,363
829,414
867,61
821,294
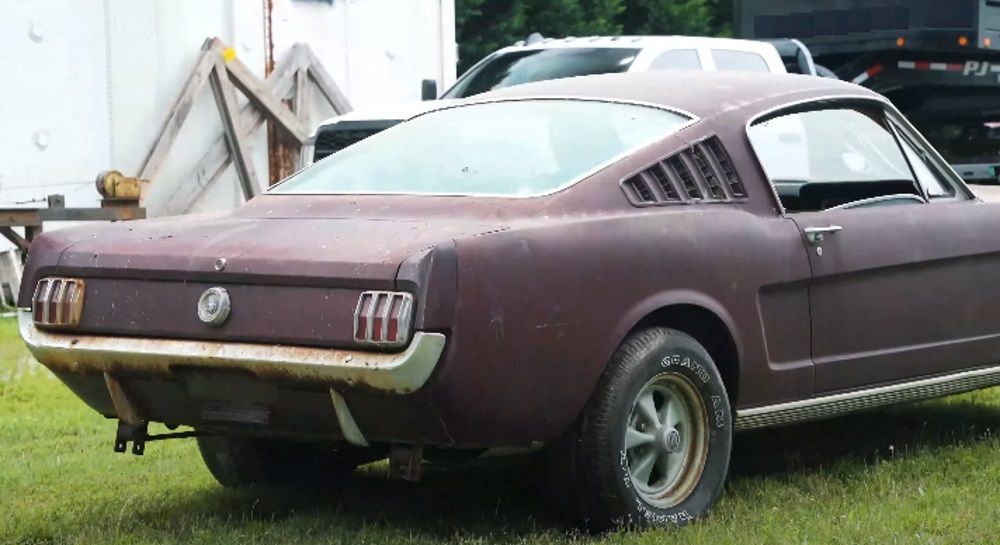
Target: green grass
x,y
926,473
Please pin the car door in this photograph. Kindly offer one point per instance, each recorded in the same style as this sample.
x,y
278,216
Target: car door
x,y
903,259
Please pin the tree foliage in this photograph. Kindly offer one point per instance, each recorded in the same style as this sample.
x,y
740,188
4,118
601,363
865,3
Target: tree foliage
x,y
484,26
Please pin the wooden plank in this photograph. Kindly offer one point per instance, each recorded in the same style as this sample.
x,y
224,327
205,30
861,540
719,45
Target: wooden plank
x,y
325,83
211,166
16,239
31,219
179,112
300,104
30,232
225,99
104,213
19,217
281,82
261,96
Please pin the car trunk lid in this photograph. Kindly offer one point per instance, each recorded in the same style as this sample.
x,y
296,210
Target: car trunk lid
x,y
291,280
343,252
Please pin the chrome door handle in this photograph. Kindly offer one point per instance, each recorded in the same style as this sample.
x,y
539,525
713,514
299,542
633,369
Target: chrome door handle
x,y
815,234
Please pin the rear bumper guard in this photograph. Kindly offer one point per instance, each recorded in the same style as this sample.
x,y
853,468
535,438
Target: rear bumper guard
x,y
397,373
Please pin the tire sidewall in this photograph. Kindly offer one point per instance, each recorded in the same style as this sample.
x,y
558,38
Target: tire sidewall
x,y
677,354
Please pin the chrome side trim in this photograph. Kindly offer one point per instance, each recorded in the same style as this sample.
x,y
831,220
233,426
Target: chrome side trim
x,y
472,101
348,427
881,198
400,373
943,167
837,404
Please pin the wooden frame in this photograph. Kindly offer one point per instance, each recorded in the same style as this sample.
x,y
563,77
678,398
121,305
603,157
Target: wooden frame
x,y
226,74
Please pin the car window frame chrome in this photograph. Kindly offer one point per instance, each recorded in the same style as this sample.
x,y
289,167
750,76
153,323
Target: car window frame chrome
x,y
691,120
881,198
796,106
940,165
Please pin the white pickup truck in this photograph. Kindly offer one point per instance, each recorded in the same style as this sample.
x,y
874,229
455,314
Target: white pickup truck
x,y
538,58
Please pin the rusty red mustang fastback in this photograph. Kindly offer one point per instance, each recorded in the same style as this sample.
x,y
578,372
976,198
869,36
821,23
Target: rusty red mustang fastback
x,y
626,269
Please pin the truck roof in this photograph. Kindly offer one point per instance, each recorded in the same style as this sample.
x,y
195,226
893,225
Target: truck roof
x,y
640,42
701,93
407,110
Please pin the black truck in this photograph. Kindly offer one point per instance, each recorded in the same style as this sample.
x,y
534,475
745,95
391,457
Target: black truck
x,y
937,60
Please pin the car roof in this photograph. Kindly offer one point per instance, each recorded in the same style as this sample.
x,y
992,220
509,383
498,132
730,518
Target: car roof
x,y
701,93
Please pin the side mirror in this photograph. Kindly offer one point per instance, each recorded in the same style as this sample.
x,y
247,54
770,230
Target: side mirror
x,y
429,89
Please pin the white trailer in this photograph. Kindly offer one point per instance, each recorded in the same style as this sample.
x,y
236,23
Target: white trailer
x,y
88,83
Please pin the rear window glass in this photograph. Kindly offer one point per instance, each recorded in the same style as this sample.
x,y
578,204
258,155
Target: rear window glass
x,y
738,61
518,148
677,59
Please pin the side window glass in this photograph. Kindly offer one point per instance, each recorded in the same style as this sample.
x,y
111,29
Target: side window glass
x,y
738,61
927,175
822,159
677,59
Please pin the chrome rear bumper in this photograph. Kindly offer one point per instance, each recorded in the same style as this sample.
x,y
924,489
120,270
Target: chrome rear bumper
x,y
399,373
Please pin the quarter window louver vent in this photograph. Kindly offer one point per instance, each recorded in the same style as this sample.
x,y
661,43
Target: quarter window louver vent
x,y
687,180
638,189
707,172
659,173
702,173
726,165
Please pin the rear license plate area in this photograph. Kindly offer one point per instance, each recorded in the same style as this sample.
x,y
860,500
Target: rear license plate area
x,y
228,396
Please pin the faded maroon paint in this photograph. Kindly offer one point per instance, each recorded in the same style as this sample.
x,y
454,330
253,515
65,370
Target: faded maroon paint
x,y
912,293
162,308
534,294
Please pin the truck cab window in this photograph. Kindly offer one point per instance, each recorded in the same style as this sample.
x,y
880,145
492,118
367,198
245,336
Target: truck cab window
x,y
821,159
738,61
677,59
518,67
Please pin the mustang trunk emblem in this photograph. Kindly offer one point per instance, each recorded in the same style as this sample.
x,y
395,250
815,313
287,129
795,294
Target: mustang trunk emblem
x,y
214,306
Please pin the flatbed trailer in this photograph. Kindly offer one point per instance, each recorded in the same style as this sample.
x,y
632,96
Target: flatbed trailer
x,y
938,61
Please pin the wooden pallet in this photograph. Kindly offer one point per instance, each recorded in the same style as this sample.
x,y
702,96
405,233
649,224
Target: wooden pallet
x,y
218,65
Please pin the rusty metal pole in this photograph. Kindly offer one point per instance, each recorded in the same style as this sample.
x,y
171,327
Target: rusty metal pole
x,y
282,154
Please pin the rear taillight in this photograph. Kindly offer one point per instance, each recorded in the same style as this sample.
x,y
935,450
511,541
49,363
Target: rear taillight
x,y
383,318
58,302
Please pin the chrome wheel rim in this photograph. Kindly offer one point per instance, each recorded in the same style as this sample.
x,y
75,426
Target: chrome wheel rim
x,y
666,440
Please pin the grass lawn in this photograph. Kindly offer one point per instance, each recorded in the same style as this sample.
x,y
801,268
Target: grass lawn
x,y
926,473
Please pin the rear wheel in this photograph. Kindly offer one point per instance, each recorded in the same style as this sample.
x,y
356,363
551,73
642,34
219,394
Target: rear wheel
x,y
652,446
238,462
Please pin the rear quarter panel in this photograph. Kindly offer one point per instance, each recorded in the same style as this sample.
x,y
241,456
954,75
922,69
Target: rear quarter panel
x,y
540,310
